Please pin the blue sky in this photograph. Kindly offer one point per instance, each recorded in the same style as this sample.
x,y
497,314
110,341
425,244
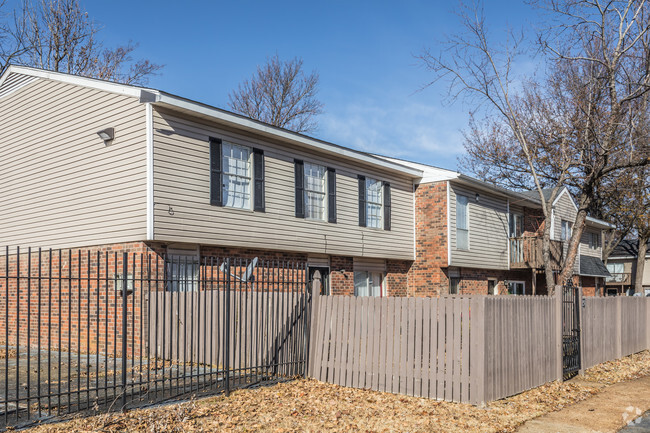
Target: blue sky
x,y
363,51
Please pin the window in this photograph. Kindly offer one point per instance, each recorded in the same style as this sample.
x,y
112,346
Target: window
x,y
492,287
373,203
594,241
617,270
516,287
236,176
567,228
462,223
516,225
182,272
315,191
368,283
454,285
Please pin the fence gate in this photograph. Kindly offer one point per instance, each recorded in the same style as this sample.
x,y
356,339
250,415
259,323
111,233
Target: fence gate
x,y
99,331
570,330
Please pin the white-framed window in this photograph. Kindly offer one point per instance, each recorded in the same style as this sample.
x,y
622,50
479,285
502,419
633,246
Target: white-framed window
x,y
368,283
182,271
567,229
374,203
517,287
462,222
315,191
594,241
617,270
236,175
515,225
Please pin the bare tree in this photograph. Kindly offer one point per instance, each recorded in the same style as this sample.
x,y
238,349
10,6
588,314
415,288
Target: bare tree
x,y
280,94
58,35
578,125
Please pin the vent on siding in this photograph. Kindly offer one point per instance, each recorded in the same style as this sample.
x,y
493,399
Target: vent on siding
x,y
14,82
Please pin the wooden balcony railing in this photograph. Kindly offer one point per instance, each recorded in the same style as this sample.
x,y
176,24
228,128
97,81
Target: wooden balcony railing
x,y
526,253
619,278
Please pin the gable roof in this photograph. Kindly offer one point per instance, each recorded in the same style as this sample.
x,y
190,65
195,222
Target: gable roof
x,y
628,249
164,99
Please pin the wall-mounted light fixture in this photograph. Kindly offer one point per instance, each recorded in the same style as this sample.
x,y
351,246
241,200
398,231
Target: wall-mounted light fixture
x,y
107,134
477,197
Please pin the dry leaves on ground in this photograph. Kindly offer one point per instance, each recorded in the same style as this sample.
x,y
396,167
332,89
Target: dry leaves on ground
x,y
630,367
312,406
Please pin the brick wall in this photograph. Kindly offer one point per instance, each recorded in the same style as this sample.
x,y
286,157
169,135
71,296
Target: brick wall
x,y
533,221
426,276
341,275
70,298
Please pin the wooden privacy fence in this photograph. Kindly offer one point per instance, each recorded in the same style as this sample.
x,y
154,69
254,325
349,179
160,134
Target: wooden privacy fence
x,y
469,349
262,328
614,327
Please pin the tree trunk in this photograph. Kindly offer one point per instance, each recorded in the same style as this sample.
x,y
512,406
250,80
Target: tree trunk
x,y
546,255
574,243
640,264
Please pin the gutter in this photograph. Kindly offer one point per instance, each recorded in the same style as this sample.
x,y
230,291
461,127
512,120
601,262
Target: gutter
x,y
168,100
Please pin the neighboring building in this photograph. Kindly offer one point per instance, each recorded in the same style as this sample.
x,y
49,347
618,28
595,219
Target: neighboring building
x,y
473,237
104,166
621,264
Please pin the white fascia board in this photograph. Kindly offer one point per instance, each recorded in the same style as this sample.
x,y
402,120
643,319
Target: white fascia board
x,y
565,190
595,222
282,134
121,89
430,174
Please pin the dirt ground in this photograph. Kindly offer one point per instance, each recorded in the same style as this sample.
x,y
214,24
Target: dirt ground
x,y
312,406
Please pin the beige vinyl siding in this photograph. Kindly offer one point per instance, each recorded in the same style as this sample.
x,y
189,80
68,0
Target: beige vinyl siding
x,y
584,243
181,180
565,210
61,186
488,230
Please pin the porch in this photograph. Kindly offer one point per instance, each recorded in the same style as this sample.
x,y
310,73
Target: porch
x,y
526,253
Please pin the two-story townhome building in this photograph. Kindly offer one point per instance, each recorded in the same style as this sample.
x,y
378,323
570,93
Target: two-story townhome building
x,y
474,237
102,166
86,164
622,265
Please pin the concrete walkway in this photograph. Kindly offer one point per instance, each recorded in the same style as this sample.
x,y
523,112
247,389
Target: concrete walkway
x,y
608,411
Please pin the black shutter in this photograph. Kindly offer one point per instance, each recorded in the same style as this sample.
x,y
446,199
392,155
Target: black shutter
x,y
299,171
216,182
386,206
331,195
258,175
362,201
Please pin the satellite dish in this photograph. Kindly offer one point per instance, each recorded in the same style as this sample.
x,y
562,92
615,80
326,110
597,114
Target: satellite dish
x,y
248,274
250,269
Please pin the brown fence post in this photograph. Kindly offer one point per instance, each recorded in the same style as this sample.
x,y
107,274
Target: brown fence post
x,y
559,290
619,329
478,365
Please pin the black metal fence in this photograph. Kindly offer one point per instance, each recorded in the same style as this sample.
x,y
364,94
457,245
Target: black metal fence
x,y
96,330
570,330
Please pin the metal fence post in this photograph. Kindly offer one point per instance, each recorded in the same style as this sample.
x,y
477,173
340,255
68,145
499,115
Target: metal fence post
x,y
226,327
125,267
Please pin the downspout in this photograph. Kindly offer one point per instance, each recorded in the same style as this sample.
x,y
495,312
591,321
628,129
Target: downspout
x,y
149,144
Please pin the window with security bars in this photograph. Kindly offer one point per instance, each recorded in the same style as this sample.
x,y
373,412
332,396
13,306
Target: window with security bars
x,y
236,176
182,273
315,193
374,203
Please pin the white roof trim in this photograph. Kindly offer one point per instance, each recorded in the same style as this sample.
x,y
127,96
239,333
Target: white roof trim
x,y
158,97
565,190
600,223
259,127
121,89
